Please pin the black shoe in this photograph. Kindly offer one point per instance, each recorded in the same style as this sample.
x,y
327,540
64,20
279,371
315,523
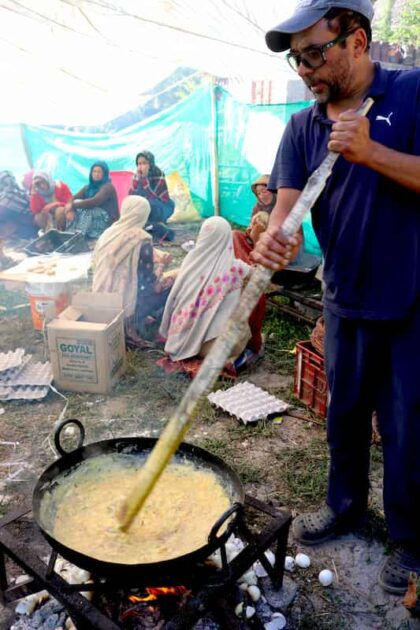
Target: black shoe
x,y
396,570
313,528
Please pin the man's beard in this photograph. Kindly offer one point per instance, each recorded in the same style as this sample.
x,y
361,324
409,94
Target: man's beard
x,y
336,86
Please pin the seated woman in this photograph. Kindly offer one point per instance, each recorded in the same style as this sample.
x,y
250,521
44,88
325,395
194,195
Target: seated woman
x,y
15,216
204,295
150,182
266,200
125,262
95,206
47,201
243,244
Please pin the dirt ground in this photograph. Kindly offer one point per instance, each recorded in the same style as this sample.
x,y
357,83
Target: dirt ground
x,y
281,462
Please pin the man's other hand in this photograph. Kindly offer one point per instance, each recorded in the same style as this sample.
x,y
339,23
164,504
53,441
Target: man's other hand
x,y
350,136
274,250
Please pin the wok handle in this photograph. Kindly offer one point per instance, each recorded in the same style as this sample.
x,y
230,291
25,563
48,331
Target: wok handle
x,y
213,538
58,432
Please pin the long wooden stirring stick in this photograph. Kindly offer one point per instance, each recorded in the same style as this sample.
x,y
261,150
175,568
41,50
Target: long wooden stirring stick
x,y
181,420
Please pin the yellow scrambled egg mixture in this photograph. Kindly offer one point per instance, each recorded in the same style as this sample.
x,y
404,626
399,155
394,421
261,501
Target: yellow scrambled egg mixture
x,y
176,518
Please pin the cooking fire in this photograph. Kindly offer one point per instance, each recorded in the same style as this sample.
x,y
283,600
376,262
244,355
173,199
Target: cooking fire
x,y
222,587
153,593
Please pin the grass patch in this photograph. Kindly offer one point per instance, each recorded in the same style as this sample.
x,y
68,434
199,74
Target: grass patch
x,y
376,456
17,332
281,334
376,528
77,407
234,458
206,413
248,473
304,474
10,299
323,621
263,428
282,331
157,386
217,446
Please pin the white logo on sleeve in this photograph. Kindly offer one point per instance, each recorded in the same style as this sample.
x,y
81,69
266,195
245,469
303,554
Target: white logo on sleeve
x,y
386,118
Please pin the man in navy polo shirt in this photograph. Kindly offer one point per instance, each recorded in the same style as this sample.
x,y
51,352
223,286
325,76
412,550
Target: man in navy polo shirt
x,y
367,221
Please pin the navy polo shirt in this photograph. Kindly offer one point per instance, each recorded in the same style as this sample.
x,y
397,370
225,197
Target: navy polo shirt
x,y
367,225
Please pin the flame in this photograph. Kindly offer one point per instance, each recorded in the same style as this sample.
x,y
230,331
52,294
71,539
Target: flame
x,y
154,592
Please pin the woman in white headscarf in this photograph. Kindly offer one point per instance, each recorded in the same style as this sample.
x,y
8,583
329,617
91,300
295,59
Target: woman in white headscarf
x,y
204,294
125,262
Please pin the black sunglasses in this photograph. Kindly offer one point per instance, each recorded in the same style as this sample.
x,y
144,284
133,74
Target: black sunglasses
x,y
314,56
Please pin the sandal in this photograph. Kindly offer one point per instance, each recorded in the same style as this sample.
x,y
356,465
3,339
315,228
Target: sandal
x,y
316,527
396,570
247,358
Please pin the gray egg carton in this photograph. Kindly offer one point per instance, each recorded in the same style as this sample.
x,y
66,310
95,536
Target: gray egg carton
x,y
14,372
38,373
11,360
22,379
22,392
247,402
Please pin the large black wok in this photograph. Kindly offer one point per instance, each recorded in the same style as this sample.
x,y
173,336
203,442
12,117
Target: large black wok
x,y
139,447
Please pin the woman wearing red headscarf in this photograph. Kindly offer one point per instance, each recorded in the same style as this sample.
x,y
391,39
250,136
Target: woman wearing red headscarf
x,y
46,199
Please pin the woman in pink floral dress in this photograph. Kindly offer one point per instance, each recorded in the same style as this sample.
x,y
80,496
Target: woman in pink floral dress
x,y
205,293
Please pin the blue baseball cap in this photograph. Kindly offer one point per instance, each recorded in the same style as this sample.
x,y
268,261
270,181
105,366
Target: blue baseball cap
x,y
308,13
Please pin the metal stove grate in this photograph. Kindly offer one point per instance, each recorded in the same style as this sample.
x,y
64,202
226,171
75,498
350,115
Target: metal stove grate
x,y
207,585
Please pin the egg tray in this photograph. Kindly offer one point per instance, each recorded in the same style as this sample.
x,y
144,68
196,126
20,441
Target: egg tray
x,y
247,402
31,374
11,360
11,374
22,379
22,392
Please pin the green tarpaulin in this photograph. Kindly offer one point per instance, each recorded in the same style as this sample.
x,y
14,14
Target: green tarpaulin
x,y
216,144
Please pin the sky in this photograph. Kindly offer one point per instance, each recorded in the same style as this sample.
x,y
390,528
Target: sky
x,y
84,62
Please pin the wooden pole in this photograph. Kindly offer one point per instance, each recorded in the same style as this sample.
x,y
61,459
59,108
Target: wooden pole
x,y
181,420
25,145
207,375
214,152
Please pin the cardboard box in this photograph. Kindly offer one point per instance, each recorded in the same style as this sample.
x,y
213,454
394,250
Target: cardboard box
x,y
87,345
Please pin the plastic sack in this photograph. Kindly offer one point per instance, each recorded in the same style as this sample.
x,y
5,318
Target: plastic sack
x,y
180,194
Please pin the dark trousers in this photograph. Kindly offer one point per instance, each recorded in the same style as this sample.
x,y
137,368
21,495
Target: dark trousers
x,y
160,211
375,365
152,304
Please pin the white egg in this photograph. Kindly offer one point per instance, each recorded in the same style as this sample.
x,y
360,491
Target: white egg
x,y
259,569
249,577
303,561
249,612
238,543
21,579
239,608
216,559
254,593
289,563
231,551
270,557
278,622
326,577
244,586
